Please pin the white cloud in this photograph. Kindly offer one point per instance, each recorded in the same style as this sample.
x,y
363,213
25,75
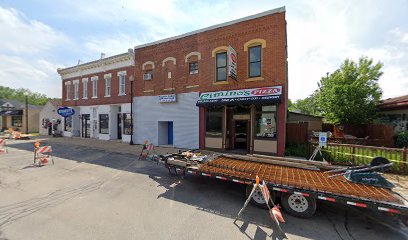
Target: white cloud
x,y
25,45
21,35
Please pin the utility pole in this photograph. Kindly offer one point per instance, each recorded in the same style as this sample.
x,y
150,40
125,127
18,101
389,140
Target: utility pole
x,y
131,79
26,113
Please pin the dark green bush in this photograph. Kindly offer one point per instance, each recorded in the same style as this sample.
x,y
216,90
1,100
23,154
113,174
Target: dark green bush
x,y
296,150
401,139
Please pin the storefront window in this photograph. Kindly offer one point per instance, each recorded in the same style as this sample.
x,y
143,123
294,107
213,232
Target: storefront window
x,y
17,121
214,122
265,118
104,123
127,124
68,124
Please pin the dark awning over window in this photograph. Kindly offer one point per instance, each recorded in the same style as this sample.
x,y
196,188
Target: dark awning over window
x,y
11,113
273,99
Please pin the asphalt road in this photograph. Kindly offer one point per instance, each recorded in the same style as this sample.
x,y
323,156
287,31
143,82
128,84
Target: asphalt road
x,y
95,194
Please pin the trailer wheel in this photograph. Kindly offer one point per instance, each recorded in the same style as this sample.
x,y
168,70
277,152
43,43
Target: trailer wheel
x,y
298,205
257,199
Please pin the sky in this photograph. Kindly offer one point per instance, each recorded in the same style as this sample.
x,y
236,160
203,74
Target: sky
x,y
39,36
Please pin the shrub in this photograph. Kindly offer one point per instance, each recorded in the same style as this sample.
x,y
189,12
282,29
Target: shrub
x,y
401,139
296,150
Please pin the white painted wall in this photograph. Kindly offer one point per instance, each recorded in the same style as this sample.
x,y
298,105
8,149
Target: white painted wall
x,y
48,112
184,114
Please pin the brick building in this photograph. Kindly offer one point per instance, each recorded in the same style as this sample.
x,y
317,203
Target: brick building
x,y
99,92
223,87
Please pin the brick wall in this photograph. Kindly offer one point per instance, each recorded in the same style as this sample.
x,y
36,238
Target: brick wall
x,y
271,28
114,98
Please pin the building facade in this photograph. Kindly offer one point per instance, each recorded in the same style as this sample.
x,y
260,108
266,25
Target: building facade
x,y
13,115
222,88
100,93
395,112
50,121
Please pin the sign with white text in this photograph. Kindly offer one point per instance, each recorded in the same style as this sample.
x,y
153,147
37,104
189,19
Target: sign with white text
x,y
66,111
243,96
167,98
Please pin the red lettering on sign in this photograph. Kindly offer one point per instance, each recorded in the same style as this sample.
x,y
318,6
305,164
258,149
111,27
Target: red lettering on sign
x,y
265,91
233,58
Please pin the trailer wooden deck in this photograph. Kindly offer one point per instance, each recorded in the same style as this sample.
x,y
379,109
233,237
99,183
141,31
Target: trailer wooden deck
x,y
298,178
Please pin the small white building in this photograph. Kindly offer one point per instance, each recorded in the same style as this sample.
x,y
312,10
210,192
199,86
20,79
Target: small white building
x,y
50,121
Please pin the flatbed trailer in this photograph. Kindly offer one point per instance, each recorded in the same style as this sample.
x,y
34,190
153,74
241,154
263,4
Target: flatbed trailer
x,y
300,188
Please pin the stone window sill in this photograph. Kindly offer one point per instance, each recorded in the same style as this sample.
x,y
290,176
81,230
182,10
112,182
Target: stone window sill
x,y
253,79
221,83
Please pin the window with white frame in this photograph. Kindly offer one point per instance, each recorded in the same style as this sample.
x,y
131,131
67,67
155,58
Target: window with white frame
x,y
85,88
122,84
108,86
94,88
68,90
76,89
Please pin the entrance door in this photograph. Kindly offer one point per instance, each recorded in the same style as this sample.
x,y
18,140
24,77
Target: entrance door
x,y
86,126
170,133
119,126
241,134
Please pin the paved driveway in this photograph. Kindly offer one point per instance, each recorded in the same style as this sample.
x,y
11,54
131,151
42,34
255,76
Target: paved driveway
x,y
91,193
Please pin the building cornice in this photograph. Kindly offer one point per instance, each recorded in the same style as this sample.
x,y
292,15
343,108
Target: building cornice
x,y
101,65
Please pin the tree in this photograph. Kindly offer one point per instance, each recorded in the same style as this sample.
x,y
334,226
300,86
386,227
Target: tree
x,y
19,95
305,106
350,94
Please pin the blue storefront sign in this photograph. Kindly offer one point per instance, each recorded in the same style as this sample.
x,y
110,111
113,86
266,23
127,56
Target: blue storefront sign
x,y
66,111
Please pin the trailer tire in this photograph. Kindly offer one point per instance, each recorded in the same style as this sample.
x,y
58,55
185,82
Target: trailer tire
x,y
298,205
257,199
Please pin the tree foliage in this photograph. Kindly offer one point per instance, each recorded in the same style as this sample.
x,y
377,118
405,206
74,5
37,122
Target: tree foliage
x,y
19,95
350,94
305,106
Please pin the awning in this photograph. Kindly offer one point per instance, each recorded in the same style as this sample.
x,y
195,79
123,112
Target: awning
x,y
273,99
262,95
11,113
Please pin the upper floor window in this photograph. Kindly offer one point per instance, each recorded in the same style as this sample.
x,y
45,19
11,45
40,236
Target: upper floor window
x,y
148,75
107,86
94,88
76,89
122,84
254,61
85,88
193,68
68,90
221,66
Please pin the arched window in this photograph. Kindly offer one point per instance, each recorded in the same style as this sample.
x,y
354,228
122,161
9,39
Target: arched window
x,y
255,57
220,54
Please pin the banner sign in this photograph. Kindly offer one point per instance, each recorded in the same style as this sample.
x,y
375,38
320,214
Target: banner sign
x,y
232,63
167,98
322,139
249,96
66,111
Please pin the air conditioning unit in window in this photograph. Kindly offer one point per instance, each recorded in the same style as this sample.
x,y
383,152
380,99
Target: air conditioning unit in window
x,y
147,76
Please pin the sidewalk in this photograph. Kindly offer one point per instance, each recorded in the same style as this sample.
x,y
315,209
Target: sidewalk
x,y
109,145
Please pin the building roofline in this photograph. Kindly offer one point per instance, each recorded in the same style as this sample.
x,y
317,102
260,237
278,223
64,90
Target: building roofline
x,y
304,114
102,60
247,18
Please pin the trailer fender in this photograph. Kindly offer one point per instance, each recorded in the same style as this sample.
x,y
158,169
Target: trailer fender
x,y
298,205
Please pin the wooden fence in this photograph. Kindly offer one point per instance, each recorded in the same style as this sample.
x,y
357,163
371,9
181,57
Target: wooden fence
x,y
296,133
383,134
350,154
